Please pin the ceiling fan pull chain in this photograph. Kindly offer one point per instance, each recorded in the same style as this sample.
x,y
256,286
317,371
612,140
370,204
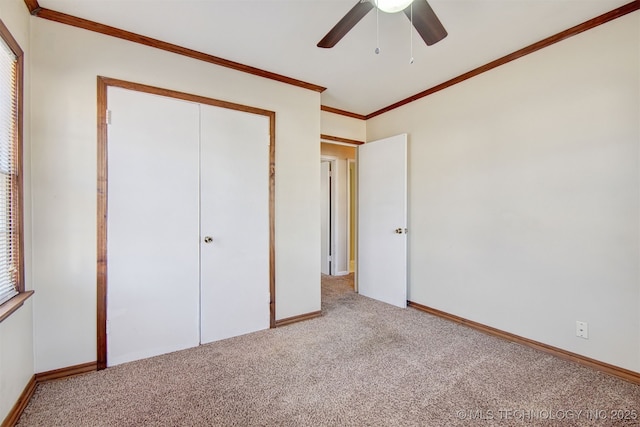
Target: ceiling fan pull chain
x,y
411,34
377,30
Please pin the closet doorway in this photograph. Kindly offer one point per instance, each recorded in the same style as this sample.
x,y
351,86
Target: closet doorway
x,y
185,231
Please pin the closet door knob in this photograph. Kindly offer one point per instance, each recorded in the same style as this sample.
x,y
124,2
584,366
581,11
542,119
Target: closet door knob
x,y
208,239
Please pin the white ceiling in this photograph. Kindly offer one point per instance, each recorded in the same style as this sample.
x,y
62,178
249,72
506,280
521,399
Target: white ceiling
x,y
281,35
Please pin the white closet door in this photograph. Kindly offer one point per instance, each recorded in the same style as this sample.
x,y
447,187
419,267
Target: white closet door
x,y
152,226
235,215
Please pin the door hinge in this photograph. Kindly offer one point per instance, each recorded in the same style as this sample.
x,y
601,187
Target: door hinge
x,y
108,117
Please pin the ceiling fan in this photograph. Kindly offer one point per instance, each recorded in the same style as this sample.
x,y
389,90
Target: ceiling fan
x,y
424,19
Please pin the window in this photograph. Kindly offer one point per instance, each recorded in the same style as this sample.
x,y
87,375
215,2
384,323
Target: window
x,y
11,259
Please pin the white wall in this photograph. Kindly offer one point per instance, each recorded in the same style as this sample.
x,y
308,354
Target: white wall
x,y
66,63
524,194
342,126
16,332
16,356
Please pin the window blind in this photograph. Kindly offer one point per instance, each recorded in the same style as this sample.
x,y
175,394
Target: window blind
x,y
9,209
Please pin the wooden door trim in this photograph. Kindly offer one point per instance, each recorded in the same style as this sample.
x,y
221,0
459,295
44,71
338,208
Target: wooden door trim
x,y
102,188
330,138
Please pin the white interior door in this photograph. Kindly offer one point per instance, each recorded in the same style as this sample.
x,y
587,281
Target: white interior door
x,y
152,226
382,220
235,216
325,215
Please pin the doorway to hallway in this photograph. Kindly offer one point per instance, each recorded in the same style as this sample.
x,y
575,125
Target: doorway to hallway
x,y
338,209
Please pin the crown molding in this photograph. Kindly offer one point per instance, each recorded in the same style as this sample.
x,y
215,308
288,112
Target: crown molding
x,y
587,25
36,10
74,21
342,112
33,6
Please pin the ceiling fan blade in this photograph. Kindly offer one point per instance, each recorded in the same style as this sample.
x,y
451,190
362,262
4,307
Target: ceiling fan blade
x,y
426,22
343,26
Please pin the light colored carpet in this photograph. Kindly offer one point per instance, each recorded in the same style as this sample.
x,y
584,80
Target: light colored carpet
x,y
363,363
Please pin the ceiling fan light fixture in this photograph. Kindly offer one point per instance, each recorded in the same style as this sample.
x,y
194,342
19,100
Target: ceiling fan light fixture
x,y
392,6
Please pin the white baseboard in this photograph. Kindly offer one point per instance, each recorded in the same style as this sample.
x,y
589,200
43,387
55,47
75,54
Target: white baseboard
x,y
341,273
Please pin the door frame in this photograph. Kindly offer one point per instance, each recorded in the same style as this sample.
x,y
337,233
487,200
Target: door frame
x,y
325,217
102,187
332,160
351,182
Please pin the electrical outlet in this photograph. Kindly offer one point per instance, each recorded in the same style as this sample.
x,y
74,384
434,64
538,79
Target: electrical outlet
x,y
582,329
